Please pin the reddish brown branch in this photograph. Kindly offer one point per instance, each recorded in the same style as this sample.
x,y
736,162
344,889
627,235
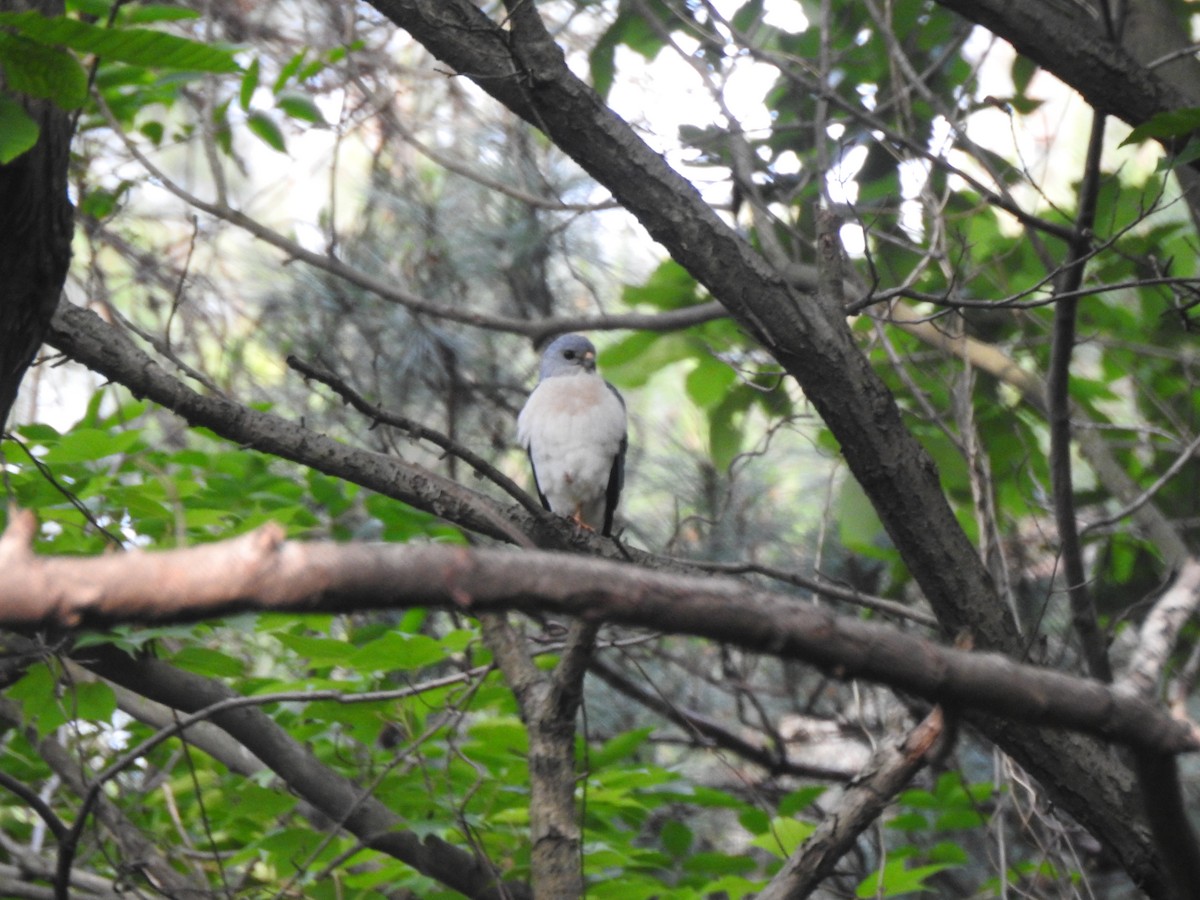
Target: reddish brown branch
x,y
262,571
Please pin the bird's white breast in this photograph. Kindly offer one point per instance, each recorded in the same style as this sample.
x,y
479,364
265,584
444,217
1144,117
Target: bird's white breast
x,y
572,426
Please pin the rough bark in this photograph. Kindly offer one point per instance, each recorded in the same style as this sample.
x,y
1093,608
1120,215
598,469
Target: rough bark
x,y
890,769
36,219
262,571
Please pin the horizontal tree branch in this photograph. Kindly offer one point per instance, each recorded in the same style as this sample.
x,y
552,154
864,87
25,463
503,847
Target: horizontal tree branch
x,y
261,570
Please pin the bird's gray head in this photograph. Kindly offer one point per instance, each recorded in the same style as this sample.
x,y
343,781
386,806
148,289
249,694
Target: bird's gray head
x,y
570,354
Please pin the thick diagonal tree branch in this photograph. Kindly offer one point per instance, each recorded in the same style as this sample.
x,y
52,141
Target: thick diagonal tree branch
x,y
1073,46
335,796
137,848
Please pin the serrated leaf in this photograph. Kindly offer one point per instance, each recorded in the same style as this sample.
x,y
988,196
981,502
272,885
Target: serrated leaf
x,y
18,132
136,46
784,836
396,652
895,880
35,691
264,127
93,701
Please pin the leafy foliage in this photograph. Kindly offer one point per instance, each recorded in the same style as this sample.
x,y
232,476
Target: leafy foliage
x,y
420,189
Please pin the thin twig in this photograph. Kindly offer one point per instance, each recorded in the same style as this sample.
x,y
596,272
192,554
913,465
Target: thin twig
x,y
1058,404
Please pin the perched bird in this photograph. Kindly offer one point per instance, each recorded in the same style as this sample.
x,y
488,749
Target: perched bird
x,y
573,428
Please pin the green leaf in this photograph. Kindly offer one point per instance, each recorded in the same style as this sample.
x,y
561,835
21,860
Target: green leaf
x,y
676,837
40,71
87,444
710,381
631,362
1173,123
300,106
748,16
93,701
137,46
289,69
249,85
785,836
725,425
670,286
755,821
959,819
1185,157
153,131
36,692
318,651
396,652
801,799
909,821
620,747
18,132
895,880
266,130
1023,70
858,523
206,661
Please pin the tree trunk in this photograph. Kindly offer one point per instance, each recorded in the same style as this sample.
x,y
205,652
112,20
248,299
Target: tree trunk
x,y
36,219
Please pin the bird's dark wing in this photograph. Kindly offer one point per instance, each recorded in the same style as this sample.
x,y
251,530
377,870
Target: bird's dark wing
x,y
616,476
533,468
616,481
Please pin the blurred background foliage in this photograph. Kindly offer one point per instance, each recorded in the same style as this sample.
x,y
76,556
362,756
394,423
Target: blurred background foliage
x,y
225,142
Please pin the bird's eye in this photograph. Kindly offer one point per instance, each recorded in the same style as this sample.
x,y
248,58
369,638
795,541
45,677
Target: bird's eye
x,y
568,354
